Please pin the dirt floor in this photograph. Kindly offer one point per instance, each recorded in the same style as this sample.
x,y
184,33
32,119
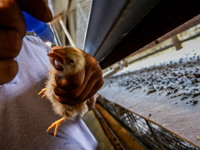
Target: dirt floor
x,y
95,127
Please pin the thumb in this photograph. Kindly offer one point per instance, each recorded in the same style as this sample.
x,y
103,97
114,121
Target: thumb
x,y
37,8
91,102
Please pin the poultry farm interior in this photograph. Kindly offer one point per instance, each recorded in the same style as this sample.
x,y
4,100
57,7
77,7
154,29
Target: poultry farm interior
x,y
149,52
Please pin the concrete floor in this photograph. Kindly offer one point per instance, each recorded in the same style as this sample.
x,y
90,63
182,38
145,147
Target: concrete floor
x,y
95,127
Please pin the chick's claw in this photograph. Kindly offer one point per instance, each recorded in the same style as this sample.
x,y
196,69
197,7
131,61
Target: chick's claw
x,y
43,95
42,91
56,124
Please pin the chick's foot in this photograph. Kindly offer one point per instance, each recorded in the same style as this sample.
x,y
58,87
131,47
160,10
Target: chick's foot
x,y
42,91
56,125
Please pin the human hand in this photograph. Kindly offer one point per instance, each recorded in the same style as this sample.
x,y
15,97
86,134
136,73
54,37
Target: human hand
x,y
81,86
91,102
13,29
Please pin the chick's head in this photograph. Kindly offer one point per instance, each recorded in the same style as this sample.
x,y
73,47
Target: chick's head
x,y
67,60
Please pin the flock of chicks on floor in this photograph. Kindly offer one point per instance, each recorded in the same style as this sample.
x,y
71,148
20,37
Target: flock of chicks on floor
x,y
174,79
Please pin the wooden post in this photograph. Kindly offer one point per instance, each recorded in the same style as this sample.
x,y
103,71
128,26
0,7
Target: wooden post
x,y
176,42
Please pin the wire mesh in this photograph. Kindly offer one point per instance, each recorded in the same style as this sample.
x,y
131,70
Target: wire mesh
x,y
83,7
149,134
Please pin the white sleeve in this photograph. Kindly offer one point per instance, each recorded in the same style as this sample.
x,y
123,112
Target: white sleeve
x,y
38,41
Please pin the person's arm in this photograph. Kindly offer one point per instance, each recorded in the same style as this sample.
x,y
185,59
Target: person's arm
x,y
13,29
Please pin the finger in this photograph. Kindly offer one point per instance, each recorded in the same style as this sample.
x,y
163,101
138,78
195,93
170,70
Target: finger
x,y
63,98
10,43
97,86
71,94
67,101
37,8
91,102
80,91
9,69
70,82
70,101
71,85
12,17
95,82
12,28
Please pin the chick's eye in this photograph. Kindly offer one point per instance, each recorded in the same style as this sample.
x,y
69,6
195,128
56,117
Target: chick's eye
x,y
71,61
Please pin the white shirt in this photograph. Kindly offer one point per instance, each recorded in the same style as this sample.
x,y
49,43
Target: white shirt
x,y
25,116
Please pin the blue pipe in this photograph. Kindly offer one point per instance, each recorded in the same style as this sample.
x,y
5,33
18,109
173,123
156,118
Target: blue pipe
x,y
41,29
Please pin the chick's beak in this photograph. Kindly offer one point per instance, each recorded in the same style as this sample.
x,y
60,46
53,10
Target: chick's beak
x,y
55,55
56,60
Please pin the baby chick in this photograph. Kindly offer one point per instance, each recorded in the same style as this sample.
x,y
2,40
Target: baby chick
x,y
68,61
